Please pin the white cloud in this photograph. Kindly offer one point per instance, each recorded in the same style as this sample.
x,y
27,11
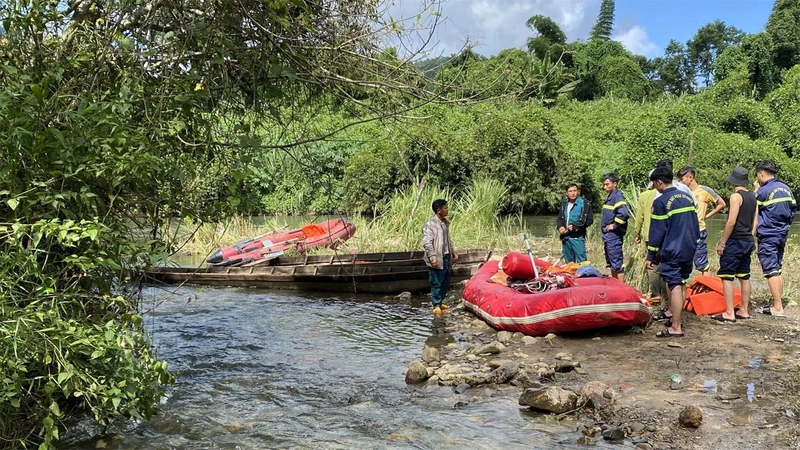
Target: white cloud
x,y
635,39
494,25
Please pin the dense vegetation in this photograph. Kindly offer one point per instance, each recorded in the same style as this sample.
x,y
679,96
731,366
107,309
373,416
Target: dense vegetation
x,y
566,111
119,117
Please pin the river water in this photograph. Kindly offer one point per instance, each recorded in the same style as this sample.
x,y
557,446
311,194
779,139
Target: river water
x,y
259,369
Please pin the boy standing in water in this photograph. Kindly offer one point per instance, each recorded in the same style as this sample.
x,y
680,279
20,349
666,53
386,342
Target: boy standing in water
x,y
573,219
674,232
439,254
736,246
703,196
614,224
776,209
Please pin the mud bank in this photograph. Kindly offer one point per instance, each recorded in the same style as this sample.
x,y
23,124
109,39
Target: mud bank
x,y
743,378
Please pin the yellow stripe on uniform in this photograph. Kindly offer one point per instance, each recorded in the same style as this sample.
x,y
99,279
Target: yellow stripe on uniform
x,y
669,214
652,249
619,221
615,205
777,200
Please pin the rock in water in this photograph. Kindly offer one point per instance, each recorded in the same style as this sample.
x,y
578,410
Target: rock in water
x,y
430,354
461,388
691,417
553,399
492,347
403,296
416,373
502,374
503,336
613,434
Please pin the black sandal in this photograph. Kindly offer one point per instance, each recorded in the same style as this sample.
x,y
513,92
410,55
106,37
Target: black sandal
x,y
721,318
662,316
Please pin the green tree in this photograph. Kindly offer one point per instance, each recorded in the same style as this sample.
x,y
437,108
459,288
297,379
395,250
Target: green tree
x,y
763,73
708,43
783,27
605,67
548,38
732,60
675,72
545,80
605,22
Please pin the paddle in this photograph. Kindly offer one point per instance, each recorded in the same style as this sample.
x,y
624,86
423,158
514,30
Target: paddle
x,y
530,254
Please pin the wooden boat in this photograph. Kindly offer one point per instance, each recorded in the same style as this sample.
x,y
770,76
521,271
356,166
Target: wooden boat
x,y
377,273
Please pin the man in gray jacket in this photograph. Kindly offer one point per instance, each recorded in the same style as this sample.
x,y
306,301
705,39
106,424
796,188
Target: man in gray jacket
x,y
439,253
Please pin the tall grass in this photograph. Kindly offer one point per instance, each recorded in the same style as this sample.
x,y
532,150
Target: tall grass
x,y
474,216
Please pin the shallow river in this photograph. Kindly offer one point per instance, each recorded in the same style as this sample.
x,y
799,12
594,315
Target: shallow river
x,y
259,369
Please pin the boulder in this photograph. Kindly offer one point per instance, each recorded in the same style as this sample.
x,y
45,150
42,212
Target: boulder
x,y
502,374
552,399
503,336
518,336
416,373
430,354
691,417
493,347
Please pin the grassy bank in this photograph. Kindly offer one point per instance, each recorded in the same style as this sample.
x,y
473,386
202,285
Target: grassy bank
x,y
476,223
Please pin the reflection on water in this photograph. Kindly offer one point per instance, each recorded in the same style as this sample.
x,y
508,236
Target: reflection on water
x,y
258,369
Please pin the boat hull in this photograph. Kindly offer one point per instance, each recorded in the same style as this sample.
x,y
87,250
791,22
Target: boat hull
x,y
593,303
381,273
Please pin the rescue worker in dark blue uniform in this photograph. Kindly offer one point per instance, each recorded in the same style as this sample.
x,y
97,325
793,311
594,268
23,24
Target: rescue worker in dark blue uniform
x,y
674,232
614,224
776,209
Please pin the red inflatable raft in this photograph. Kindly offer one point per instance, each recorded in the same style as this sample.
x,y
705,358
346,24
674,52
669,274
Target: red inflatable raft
x,y
591,303
327,234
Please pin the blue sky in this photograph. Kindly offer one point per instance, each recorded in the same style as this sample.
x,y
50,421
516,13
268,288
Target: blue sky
x,y
643,26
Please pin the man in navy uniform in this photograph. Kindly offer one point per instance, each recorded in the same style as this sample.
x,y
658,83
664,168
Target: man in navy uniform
x,y
776,209
674,232
614,224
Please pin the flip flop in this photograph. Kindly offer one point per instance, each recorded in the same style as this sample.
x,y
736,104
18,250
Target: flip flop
x,y
665,333
721,318
742,317
661,316
767,311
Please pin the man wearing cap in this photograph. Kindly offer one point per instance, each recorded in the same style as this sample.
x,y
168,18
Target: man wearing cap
x,y
644,208
776,209
703,196
673,240
737,245
613,225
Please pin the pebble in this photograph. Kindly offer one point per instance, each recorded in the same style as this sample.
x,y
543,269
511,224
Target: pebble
x,y
518,336
674,345
637,427
644,446
491,348
529,340
503,336
651,429
564,357
691,417
472,358
550,337
586,440
780,340
595,338
416,373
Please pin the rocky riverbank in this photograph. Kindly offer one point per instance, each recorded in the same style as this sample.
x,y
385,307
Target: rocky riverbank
x,y
734,386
